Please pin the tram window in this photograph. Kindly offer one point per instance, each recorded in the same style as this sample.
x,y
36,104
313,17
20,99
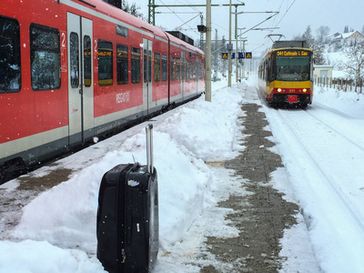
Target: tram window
x,y
164,67
135,65
74,60
157,67
105,62
122,64
45,57
9,55
87,61
293,69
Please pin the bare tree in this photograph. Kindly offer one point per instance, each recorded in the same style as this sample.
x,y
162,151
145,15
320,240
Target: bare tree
x,y
307,35
132,9
322,33
354,66
317,47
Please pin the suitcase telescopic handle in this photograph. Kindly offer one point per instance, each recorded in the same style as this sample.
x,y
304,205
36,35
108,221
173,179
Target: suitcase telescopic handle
x,y
149,136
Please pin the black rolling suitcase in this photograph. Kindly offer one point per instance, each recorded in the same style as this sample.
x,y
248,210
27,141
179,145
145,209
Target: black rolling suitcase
x,y
127,219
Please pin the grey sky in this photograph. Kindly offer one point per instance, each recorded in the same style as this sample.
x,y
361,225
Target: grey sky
x,y
333,13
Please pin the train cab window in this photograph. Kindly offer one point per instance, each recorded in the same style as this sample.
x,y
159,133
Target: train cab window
x,y
135,65
122,64
87,66
157,67
74,60
164,67
10,79
105,62
45,57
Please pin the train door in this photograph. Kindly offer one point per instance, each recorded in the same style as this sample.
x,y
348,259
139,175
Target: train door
x,y
147,76
80,82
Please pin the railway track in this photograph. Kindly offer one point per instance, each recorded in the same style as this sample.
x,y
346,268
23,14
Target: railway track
x,y
338,132
329,185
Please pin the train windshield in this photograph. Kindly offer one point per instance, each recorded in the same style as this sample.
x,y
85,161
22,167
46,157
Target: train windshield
x,y
293,68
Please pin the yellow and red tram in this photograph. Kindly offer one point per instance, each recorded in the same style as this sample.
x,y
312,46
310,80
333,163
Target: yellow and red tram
x,y
285,74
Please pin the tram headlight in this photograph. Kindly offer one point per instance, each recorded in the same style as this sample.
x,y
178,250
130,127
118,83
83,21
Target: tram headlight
x,y
279,90
304,90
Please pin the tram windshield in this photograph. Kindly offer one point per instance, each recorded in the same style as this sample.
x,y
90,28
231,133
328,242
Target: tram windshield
x,y
293,68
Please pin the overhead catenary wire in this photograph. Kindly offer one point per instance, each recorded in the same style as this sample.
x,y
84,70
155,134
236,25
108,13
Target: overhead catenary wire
x,y
279,10
185,23
285,13
179,17
265,20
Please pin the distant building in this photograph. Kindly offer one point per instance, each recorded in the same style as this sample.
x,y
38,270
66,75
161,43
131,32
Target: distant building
x,y
348,39
322,71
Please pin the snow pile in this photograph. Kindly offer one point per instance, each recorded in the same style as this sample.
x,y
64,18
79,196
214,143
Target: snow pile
x,y
213,138
42,257
65,215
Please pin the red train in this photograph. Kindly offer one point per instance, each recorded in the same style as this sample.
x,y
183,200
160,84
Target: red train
x,y
74,69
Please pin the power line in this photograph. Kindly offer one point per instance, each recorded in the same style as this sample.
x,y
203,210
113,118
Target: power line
x,y
279,10
183,21
286,11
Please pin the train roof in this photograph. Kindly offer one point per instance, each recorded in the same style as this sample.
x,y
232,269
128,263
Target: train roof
x,y
131,20
290,43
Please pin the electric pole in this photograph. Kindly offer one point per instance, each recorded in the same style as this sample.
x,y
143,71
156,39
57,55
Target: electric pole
x,y
229,48
201,33
151,12
236,45
208,52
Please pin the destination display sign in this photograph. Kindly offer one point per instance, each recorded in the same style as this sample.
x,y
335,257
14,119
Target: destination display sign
x,y
292,53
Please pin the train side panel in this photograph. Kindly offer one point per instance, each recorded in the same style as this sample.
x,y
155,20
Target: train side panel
x,y
84,71
37,113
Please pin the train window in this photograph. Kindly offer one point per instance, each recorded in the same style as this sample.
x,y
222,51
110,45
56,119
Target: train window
x,y
122,31
87,66
105,60
10,79
190,74
164,67
135,65
174,69
122,64
178,71
202,72
45,57
74,60
147,65
184,69
157,67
